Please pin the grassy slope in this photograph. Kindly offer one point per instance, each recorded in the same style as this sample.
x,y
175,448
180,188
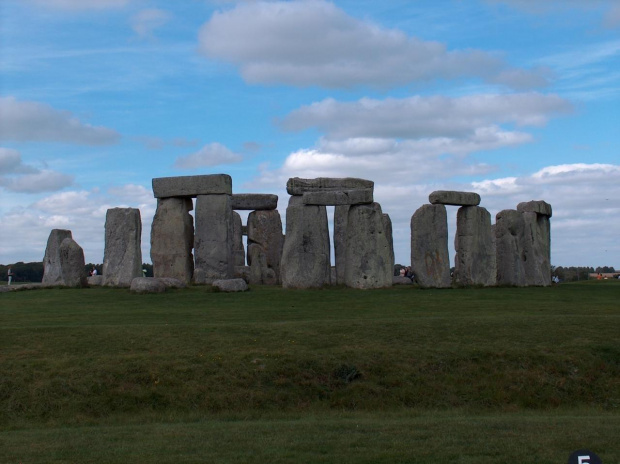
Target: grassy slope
x,y
104,366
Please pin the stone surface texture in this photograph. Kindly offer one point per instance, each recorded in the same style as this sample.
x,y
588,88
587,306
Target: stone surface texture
x,y
306,252
538,249
52,272
265,231
387,228
238,248
72,265
299,186
341,216
535,206
171,282
254,201
474,244
192,186
230,285
122,258
368,255
96,280
430,262
213,243
339,197
510,248
401,280
147,285
172,239
448,197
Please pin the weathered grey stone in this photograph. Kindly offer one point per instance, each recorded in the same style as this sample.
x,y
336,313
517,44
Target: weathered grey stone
x,y
254,201
339,197
230,285
341,216
368,255
387,227
171,282
122,257
510,252
172,239
192,186
305,255
52,271
242,272
72,264
265,230
95,280
401,280
147,285
475,256
538,249
299,186
213,244
333,276
536,206
447,197
238,248
430,262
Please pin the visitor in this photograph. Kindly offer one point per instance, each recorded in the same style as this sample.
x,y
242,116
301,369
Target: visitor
x,y
10,275
94,271
402,271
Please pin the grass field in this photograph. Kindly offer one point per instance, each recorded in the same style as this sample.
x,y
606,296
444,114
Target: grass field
x,y
336,375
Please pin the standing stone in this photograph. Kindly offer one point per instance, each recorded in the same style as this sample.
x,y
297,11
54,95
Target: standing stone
x,y
122,258
387,227
52,273
213,244
368,256
475,255
510,251
341,215
72,264
536,206
430,262
238,249
538,249
265,231
172,239
305,255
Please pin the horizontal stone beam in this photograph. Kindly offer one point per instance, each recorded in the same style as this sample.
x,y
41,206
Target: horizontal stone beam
x,y
448,197
299,186
254,201
537,206
192,186
338,198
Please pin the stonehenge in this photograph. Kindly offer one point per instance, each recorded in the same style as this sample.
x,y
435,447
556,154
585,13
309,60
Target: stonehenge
x,y
122,257
63,264
52,270
430,261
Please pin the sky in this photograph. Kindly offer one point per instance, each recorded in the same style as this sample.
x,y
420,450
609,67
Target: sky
x,y
516,100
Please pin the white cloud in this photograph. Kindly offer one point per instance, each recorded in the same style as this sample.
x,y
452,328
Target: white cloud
x,y
307,43
145,22
81,4
37,122
212,154
416,117
15,176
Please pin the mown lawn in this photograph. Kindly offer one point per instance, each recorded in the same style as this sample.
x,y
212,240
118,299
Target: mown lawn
x,y
334,375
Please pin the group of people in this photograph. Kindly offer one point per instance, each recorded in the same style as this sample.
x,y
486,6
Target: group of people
x,y
406,272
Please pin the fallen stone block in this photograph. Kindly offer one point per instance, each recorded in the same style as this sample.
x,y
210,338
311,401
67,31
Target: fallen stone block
x,y
339,197
299,186
254,201
192,186
537,206
96,280
147,285
401,280
448,197
171,282
230,285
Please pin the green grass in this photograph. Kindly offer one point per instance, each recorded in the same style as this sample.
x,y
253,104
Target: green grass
x,y
270,375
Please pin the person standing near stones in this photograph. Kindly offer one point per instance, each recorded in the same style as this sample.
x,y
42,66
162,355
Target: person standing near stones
x,y
10,275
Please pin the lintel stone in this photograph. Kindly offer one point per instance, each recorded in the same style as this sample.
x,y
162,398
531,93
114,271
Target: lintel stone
x,y
254,201
299,186
539,207
339,197
192,186
450,197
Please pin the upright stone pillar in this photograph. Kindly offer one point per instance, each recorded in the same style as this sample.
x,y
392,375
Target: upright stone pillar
x,y
430,262
265,231
52,270
122,258
213,244
387,227
536,216
341,215
238,250
475,254
510,251
368,255
305,255
73,268
172,239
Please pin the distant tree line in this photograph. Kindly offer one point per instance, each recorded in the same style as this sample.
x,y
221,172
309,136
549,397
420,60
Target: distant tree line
x,y
33,272
572,274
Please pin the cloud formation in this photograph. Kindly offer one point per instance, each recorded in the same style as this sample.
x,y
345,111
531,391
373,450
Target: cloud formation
x,y
78,5
306,43
15,176
28,121
145,22
212,154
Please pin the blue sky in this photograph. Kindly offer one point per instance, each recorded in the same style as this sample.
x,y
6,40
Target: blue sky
x,y
514,99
